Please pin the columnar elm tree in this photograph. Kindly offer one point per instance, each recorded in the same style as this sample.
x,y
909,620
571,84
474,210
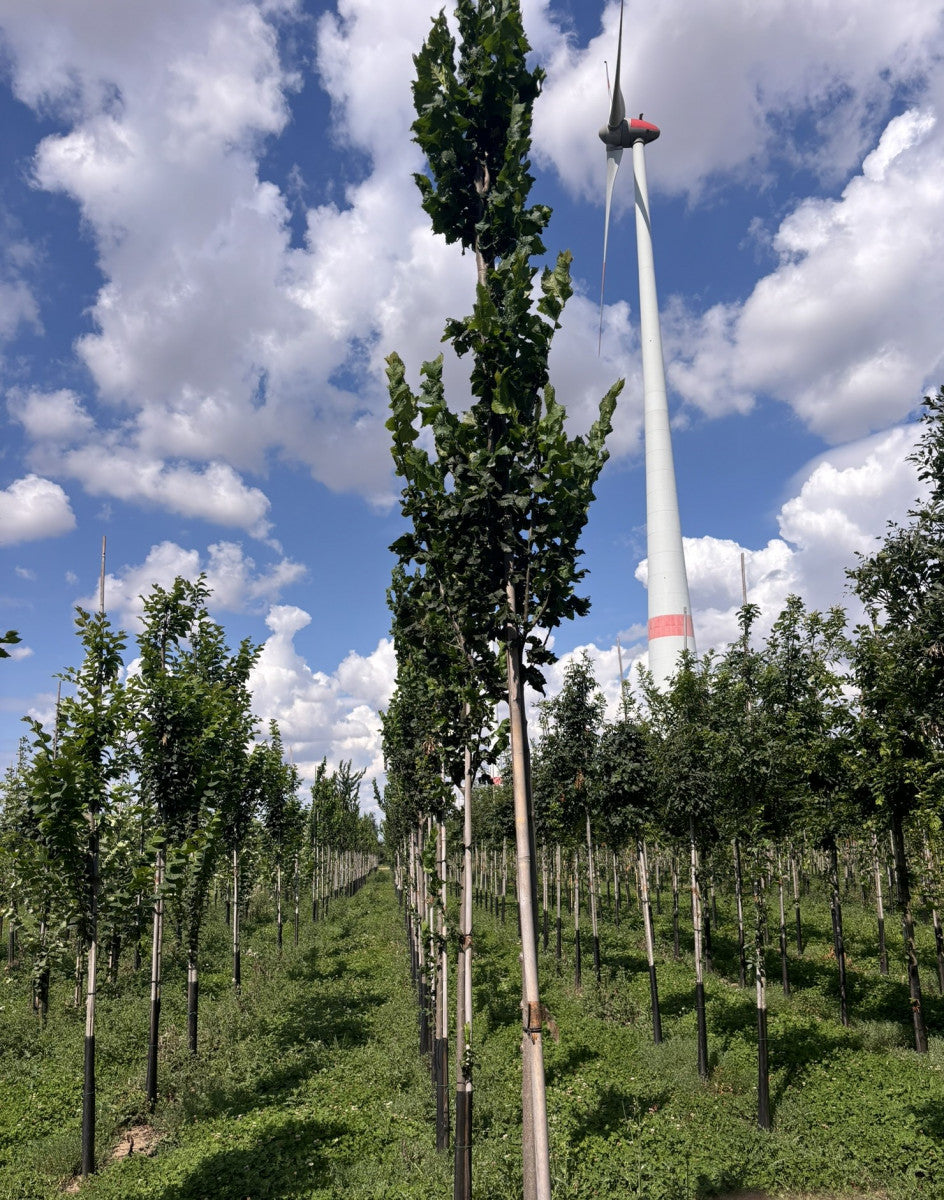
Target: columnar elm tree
x,y
497,508
565,800
191,704
73,778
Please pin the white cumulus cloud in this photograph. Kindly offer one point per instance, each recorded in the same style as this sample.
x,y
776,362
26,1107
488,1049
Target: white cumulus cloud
x,y
321,715
33,508
846,329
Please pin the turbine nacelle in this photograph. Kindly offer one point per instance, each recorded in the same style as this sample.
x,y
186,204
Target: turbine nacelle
x,y
626,133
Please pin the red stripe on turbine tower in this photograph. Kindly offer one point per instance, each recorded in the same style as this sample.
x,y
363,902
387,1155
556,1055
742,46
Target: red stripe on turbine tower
x,y
675,625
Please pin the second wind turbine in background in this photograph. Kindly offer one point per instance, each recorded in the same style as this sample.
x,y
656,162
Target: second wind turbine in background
x,y
670,626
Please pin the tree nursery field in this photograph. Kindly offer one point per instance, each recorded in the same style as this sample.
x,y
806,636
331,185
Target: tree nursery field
x,y
692,950
310,1084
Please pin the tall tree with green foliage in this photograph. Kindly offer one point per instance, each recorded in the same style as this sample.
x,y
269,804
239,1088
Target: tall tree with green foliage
x,y
898,661
191,702
564,796
39,907
496,510
625,804
245,771
683,755
420,753
281,813
808,714
445,700
751,808
22,858
73,775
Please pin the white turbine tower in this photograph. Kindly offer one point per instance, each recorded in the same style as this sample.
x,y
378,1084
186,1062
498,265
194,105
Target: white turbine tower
x,y
670,619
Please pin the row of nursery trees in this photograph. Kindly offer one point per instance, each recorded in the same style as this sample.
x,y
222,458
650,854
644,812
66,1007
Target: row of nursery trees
x,y
817,751
755,748
152,791
759,765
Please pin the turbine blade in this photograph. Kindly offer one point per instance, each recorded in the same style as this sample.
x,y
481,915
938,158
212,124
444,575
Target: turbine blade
x,y
618,106
614,155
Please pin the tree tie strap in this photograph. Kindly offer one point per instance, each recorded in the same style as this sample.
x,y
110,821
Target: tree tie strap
x,y
538,1015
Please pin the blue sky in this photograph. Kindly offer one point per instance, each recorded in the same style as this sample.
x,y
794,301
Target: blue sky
x,y
210,239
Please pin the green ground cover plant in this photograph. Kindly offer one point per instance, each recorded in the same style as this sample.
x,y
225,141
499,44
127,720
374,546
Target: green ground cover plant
x,y
309,1085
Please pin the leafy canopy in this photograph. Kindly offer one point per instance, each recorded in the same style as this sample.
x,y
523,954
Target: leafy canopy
x,y
899,656
495,511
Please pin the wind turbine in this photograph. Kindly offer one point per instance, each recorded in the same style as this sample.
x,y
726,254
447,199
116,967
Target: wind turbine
x,y
670,621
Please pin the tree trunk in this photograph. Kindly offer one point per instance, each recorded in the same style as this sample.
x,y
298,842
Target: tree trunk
x,y
739,898
462,1177
296,889
879,909
891,867
939,947
430,919
79,980
114,956
419,910
658,880
278,904
796,904
839,944
535,1149
504,878
11,941
699,970
763,1062
544,913
42,983
784,972
935,918
193,998
157,940
442,1002
650,941
592,877
707,925
558,952
907,928
237,950
88,1089
676,949
578,973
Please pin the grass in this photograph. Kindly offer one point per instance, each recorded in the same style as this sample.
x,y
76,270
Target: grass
x,y
855,1109
309,1084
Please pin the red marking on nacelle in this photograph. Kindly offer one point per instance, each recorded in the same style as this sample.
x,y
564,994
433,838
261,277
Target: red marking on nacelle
x,y
676,625
644,126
